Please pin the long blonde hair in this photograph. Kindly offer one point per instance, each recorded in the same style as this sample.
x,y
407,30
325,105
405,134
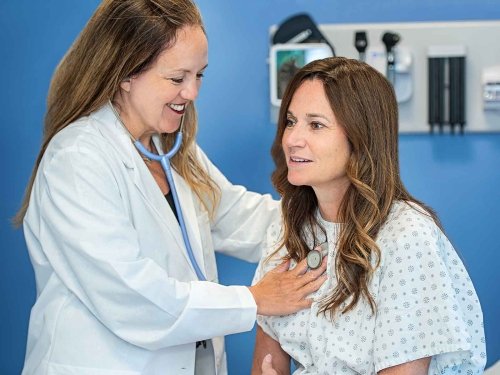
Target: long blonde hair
x,y
364,104
122,39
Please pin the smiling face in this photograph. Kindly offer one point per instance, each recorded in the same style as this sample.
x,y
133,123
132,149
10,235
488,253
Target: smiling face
x,y
315,146
154,100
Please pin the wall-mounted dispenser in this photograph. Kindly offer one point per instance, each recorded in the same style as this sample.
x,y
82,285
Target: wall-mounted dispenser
x,y
400,71
491,88
403,74
446,90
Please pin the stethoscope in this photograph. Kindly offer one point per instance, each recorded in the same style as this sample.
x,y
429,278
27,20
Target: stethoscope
x,y
165,163
315,256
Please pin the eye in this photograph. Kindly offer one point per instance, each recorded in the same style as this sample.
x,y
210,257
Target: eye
x,y
317,125
177,81
200,75
289,123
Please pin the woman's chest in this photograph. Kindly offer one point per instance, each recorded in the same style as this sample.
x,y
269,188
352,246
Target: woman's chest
x,y
322,345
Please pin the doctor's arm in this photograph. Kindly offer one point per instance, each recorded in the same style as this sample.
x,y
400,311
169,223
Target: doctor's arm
x,y
242,217
239,229
94,250
276,364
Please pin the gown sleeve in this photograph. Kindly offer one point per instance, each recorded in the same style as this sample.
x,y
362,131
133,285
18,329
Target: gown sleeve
x,y
426,303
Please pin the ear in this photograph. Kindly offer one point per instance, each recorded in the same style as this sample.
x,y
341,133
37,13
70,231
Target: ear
x,y
126,84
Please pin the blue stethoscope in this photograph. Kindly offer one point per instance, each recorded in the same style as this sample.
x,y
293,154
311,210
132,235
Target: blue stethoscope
x,y
165,163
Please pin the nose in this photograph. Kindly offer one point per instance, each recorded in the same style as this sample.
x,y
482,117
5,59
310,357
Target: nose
x,y
190,91
294,137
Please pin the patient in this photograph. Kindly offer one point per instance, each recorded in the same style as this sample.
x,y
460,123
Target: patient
x,y
398,299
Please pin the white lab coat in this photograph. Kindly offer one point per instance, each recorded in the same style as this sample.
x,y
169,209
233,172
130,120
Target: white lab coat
x,y
116,292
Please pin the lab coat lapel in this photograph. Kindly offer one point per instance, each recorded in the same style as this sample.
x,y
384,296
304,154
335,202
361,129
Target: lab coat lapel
x,y
157,203
120,140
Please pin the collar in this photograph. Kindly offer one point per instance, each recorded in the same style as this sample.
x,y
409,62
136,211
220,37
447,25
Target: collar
x,y
111,128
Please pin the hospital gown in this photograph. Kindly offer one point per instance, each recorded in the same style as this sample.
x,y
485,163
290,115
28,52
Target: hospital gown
x,y
426,306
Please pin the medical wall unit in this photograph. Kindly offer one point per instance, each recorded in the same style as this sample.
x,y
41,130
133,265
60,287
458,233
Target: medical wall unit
x,y
446,75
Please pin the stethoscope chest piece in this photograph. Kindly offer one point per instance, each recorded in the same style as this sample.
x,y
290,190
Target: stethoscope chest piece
x,y
315,256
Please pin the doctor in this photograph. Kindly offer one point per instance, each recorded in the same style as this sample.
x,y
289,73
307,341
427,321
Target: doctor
x,y
117,293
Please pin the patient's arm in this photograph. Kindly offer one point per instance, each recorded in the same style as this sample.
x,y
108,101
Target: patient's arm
x,y
266,345
417,367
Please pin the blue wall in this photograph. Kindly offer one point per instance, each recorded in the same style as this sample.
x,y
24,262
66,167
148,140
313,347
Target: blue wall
x,y
458,176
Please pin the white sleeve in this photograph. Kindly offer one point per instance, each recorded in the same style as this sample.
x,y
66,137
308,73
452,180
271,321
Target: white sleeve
x,y
242,217
426,303
86,235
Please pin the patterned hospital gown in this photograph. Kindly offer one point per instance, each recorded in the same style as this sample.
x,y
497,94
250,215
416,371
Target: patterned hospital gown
x,y
426,306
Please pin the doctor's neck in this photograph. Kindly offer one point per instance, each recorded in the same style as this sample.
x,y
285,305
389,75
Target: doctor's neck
x,y
145,138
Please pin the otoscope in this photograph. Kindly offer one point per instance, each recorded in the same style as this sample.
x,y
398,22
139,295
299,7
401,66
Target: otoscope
x,y
390,40
361,43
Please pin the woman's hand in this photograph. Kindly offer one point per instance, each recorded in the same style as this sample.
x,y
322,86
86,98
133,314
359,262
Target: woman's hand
x,y
283,291
268,356
267,366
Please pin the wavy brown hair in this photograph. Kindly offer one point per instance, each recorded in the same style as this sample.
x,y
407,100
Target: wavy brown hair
x,y
364,104
122,39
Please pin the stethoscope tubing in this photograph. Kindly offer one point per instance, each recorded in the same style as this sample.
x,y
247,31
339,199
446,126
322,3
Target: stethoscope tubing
x,y
165,163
